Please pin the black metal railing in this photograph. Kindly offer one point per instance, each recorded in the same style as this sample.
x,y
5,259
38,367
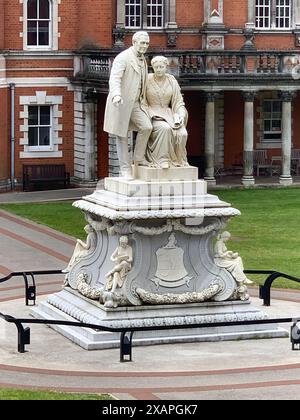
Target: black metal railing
x,y
126,334
29,282
265,289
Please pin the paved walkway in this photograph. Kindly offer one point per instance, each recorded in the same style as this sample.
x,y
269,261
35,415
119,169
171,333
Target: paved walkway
x,y
44,196
257,369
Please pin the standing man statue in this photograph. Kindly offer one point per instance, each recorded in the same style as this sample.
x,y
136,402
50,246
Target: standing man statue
x,y
124,107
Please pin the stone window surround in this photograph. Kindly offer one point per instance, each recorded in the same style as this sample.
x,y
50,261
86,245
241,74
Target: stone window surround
x,y
170,16
40,99
54,34
251,24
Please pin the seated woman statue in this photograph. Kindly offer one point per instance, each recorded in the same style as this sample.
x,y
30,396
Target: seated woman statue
x,y
230,260
167,144
83,249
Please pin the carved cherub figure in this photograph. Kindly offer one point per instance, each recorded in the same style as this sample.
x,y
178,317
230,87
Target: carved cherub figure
x,y
123,258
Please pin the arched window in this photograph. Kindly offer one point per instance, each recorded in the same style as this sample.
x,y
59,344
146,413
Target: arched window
x,y
38,23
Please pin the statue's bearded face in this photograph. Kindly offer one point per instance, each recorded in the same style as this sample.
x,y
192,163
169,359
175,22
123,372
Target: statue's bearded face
x,y
141,45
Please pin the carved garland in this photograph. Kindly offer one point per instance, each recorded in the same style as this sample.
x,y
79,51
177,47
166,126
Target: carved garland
x,y
172,298
98,225
86,290
170,226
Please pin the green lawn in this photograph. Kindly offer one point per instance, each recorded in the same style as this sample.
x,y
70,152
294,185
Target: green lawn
x,y
267,235
59,215
15,394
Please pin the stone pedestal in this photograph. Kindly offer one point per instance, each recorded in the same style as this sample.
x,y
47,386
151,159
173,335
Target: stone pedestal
x,y
169,274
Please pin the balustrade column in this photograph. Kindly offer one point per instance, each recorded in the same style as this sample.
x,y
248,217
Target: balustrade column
x,y
248,178
210,138
287,97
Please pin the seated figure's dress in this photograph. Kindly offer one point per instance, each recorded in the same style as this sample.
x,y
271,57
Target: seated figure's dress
x,y
167,143
225,259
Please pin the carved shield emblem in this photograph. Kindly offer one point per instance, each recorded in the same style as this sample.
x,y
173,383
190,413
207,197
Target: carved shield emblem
x,y
170,266
171,271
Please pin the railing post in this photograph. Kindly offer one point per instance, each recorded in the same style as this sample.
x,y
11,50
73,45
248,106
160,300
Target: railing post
x,y
295,334
30,291
126,346
265,294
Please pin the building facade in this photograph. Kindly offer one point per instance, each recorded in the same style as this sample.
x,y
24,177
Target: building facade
x,y
238,63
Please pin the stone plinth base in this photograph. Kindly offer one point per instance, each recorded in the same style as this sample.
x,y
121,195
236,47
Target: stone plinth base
x,y
286,180
122,195
211,182
138,188
70,306
148,174
248,181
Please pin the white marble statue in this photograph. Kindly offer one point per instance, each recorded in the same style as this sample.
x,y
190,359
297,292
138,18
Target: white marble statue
x,y
230,260
124,107
167,144
82,249
123,258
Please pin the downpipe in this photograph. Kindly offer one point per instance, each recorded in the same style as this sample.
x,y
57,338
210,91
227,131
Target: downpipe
x,y
12,135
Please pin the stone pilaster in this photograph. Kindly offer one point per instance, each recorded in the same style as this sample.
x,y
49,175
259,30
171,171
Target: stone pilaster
x,y
248,178
296,13
210,138
119,29
90,113
213,25
213,17
171,23
84,138
251,15
287,97
120,14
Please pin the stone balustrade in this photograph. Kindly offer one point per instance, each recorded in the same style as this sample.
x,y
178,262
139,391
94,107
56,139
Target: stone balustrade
x,y
202,64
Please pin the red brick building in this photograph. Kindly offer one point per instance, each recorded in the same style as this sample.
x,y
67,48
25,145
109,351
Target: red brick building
x,y
237,63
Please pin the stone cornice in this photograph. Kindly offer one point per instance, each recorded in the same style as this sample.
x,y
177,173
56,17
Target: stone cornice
x,y
114,215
